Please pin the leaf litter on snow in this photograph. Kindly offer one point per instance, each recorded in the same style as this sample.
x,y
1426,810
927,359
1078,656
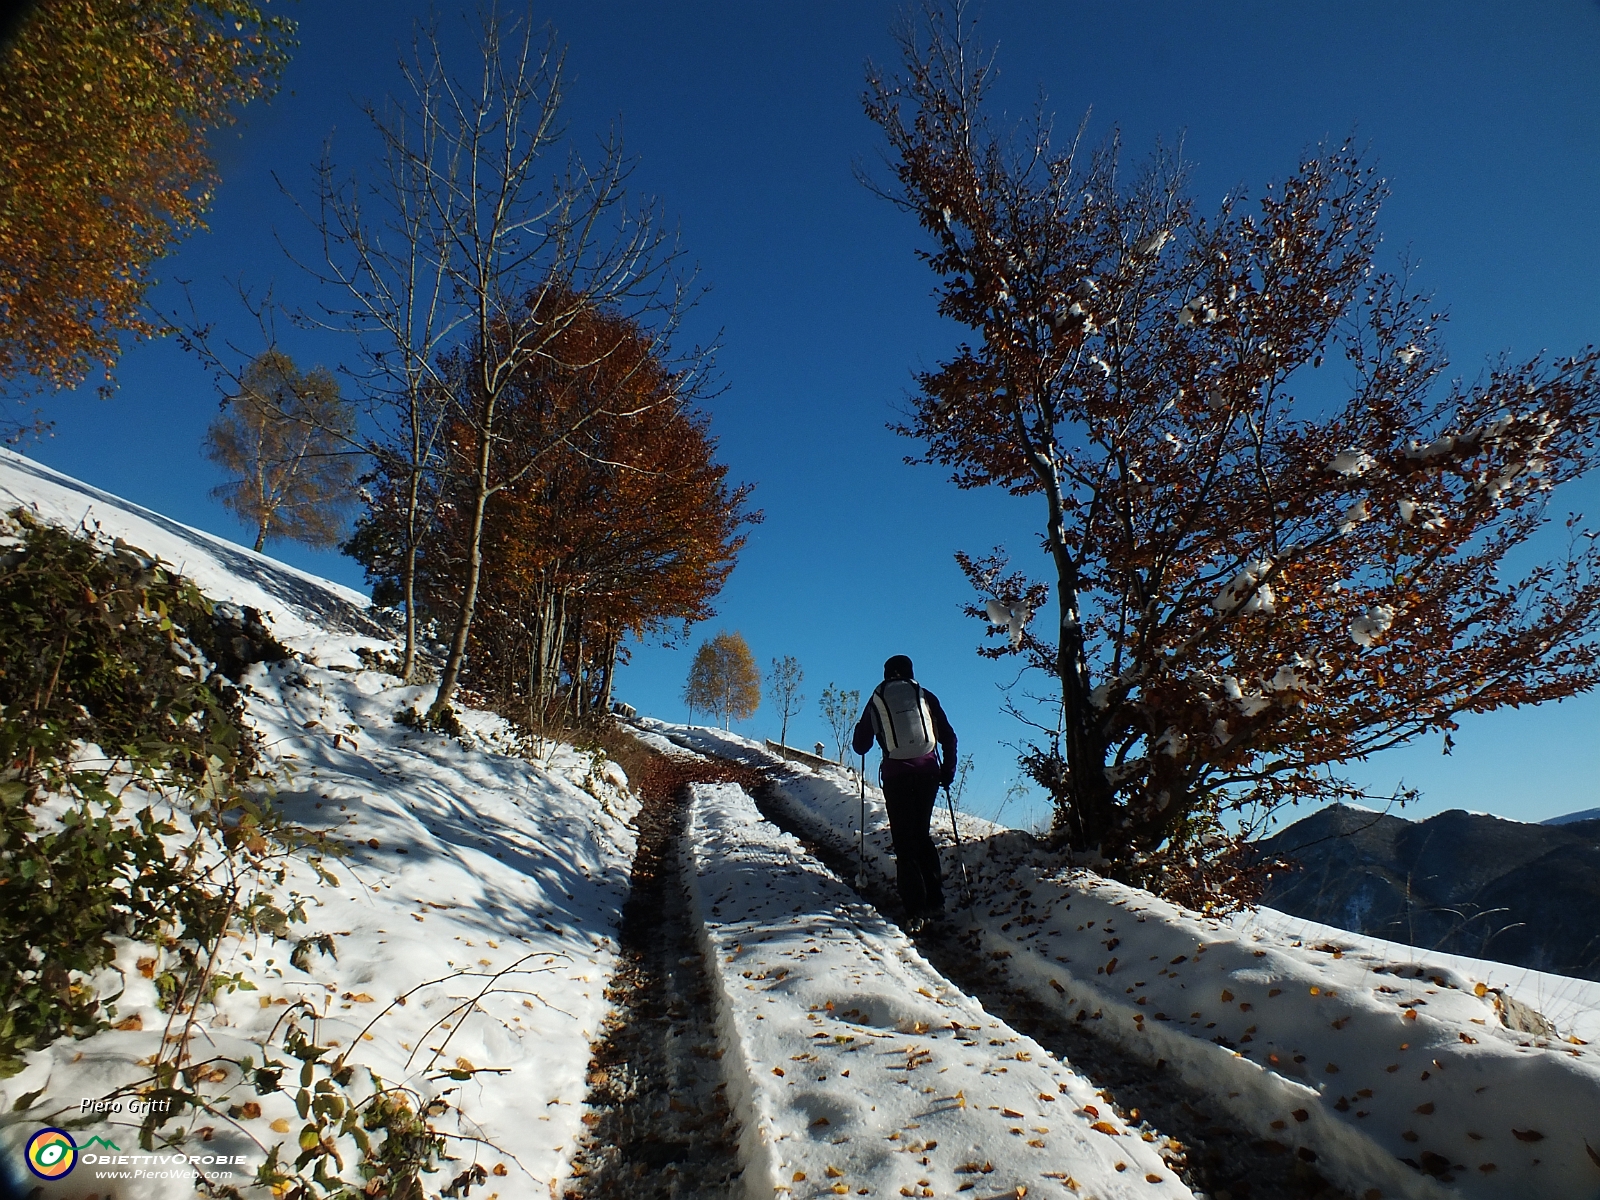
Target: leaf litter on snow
x,y
1389,1067
857,1068
459,945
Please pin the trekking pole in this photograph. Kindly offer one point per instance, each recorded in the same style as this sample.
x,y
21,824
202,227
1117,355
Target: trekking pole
x,y
861,845
966,881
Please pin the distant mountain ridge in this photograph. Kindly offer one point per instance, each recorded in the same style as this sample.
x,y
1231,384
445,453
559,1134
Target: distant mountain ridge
x,y
1465,883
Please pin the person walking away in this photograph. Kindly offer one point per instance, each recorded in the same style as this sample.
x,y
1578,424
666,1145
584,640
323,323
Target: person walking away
x,y
919,756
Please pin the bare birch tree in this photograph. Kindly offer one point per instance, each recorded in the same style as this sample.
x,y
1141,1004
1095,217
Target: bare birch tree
x,y
783,685
484,233
385,246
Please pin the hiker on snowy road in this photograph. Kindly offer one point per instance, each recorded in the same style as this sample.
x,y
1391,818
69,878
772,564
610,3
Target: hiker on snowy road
x,y
919,755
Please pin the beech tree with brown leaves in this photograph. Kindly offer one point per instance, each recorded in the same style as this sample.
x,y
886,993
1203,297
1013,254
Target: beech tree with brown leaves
x,y
624,526
1280,536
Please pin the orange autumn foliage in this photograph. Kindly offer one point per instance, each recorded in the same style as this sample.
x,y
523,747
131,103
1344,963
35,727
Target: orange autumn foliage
x,y
624,525
106,108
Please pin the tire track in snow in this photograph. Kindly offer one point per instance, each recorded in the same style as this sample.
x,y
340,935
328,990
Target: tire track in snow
x,y
1220,1161
658,1121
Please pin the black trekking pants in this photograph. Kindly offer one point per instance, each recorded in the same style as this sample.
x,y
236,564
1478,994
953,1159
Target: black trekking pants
x,y
909,802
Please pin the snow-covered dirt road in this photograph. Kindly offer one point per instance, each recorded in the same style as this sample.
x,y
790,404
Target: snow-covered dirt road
x,y
854,1067
1216,1155
658,1119
1391,1071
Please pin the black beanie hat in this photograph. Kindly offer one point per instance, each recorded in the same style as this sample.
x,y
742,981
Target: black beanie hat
x,y
898,667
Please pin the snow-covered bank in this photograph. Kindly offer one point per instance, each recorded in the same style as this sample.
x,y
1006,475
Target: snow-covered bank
x,y
859,1069
472,918
1383,1064
304,608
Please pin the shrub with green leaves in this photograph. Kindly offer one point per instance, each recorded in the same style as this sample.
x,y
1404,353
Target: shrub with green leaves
x,y
104,647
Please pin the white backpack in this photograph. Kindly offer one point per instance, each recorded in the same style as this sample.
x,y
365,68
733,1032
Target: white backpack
x,y
903,719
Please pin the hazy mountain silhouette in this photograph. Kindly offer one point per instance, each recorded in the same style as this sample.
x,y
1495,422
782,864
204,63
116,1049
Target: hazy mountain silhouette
x,y
1459,882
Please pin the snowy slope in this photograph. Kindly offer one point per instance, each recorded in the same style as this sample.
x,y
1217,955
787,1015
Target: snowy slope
x,y
304,608
1381,1063
473,917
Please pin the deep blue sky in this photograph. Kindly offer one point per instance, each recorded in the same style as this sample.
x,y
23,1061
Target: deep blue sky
x,y
746,120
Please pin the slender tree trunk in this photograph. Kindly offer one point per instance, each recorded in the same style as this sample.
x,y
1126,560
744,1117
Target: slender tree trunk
x,y
611,672
261,534
579,685
408,570
408,661
469,593
554,647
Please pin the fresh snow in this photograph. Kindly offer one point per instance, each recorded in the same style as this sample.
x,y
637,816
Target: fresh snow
x,y
304,608
1371,625
1013,620
473,918
1247,583
857,1068
1363,1053
1352,462
484,889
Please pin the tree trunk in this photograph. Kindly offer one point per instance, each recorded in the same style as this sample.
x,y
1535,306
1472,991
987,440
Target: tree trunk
x,y
469,594
610,671
408,569
408,660
554,645
1091,810
261,535
579,687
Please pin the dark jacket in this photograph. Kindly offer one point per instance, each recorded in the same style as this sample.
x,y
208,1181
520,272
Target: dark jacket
x,y
943,760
